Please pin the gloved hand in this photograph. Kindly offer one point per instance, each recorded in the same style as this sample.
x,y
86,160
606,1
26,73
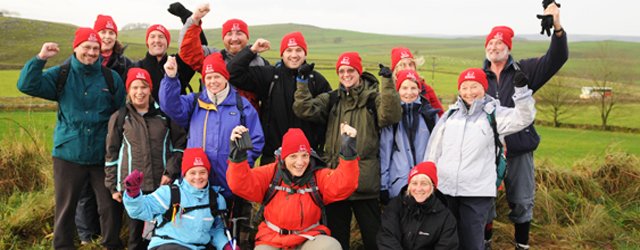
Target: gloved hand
x,y
348,139
384,197
305,70
384,71
520,79
237,154
132,183
228,247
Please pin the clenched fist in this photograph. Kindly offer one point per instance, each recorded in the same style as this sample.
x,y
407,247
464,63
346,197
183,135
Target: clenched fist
x,y
48,50
261,45
171,67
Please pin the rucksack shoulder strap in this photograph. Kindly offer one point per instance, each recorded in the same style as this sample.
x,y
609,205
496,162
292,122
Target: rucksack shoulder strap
x,y
240,107
122,115
62,78
108,76
174,205
317,198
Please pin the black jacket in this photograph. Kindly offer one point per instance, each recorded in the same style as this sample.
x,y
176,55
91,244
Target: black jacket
x,y
276,112
407,225
119,62
539,70
156,70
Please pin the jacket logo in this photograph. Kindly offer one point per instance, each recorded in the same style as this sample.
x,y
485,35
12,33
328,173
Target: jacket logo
x,y
498,35
198,161
404,54
92,37
140,75
345,60
236,27
208,68
232,113
470,75
423,233
292,42
110,25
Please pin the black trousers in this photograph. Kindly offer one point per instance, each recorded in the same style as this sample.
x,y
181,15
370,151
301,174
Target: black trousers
x,y
69,179
367,213
136,242
472,214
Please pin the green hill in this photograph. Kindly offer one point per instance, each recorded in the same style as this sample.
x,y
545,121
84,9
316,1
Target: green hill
x,y
23,39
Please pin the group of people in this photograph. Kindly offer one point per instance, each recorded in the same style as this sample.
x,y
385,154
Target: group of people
x,y
179,163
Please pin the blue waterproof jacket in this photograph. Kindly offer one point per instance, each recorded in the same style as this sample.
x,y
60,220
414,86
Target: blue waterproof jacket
x,y
196,227
84,107
396,156
210,126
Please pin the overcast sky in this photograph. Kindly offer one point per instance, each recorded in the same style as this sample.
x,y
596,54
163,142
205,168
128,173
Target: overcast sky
x,y
446,17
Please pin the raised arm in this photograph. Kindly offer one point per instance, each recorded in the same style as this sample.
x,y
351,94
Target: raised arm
x,y
305,106
33,81
512,120
388,102
177,107
257,78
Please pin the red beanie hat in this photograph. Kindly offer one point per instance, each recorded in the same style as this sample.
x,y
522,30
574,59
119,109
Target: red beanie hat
x,y
86,34
397,54
160,28
105,22
350,59
194,157
294,141
407,74
427,168
235,24
214,63
138,73
293,39
474,74
503,33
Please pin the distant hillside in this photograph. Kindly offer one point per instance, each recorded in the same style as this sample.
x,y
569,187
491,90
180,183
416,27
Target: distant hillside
x,y
22,39
537,37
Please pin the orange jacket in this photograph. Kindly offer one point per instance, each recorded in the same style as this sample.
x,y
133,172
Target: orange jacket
x,y
291,211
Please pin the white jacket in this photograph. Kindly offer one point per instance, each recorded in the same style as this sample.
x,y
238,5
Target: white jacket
x,y
463,147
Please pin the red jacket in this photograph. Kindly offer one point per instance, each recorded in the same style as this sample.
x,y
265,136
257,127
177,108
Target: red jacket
x,y
291,211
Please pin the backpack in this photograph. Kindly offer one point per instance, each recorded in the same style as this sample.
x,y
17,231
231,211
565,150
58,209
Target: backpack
x,y
64,74
501,160
275,186
175,206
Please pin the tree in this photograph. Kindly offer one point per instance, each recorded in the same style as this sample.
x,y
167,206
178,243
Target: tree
x,y
603,77
556,101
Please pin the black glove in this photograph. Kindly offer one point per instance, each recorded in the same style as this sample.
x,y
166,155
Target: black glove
x,y
348,146
546,21
305,70
238,148
177,9
384,197
384,71
520,79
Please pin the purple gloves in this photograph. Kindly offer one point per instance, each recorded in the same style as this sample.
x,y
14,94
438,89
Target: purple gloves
x,y
132,183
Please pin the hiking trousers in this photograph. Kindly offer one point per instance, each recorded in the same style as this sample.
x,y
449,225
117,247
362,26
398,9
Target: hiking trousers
x,y
471,214
367,213
68,179
520,186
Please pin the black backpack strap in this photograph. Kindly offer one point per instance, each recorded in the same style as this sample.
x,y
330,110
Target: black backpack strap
x,y
496,137
108,76
334,98
213,202
317,198
429,117
62,78
174,205
243,119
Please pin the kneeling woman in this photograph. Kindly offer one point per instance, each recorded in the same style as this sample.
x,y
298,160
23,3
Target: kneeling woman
x,y
193,225
418,220
298,186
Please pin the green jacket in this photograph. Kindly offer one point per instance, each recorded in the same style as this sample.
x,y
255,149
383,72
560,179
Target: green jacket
x,y
84,107
352,109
